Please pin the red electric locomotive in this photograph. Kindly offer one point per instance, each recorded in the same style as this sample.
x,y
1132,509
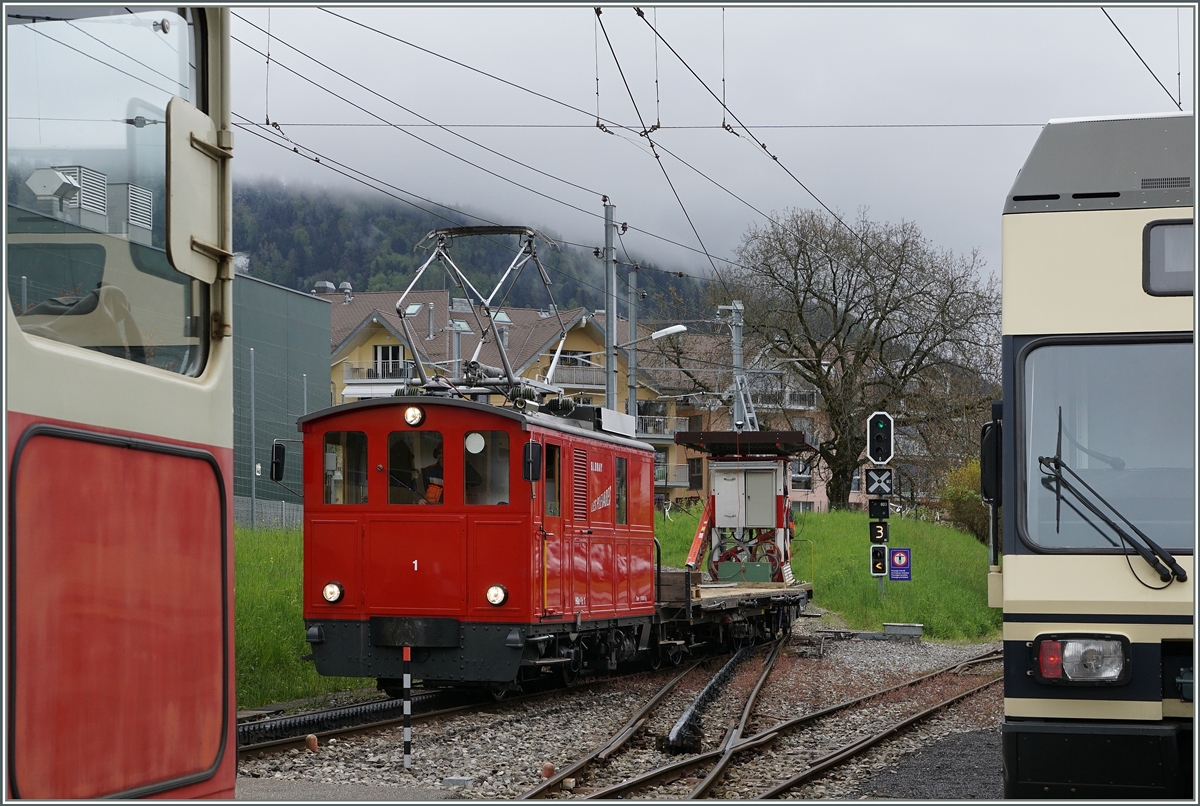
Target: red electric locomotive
x,y
483,537
497,543
500,545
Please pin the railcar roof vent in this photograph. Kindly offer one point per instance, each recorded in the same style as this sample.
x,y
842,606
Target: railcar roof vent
x,y
1167,182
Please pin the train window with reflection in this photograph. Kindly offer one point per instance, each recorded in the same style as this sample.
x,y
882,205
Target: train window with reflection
x,y
1128,455
345,467
485,467
1169,258
553,474
87,94
415,470
622,491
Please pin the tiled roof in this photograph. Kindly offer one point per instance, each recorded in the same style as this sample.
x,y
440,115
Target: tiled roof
x,y
529,334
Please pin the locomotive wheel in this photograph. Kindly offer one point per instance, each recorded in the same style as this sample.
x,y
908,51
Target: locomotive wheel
x,y
675,654
499,691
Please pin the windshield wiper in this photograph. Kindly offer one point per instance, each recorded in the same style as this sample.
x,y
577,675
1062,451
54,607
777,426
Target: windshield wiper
x,y
1053,467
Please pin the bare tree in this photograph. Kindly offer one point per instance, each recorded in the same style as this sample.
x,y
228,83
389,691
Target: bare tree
x,y
873,318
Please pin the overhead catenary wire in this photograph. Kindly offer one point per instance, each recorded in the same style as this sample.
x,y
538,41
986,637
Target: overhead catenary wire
x,y
646,133
401,128
1140,59
759,142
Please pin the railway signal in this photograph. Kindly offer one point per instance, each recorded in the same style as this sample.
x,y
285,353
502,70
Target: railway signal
x,y
879,438
879,563
879,531
879,509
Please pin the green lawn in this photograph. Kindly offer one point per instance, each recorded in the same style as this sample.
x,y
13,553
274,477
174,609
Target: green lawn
x,y
948,592
269,625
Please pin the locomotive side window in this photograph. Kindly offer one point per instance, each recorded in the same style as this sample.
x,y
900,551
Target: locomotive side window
x,y
485,467
345,467
1169,258
415,472
553,493
622,491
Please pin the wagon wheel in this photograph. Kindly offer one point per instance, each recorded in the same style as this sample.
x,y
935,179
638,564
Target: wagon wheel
x,y
656,658
568,673
674,654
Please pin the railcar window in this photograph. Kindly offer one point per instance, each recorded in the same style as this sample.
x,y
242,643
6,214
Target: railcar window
x,y
87,92
1127,429
1169,258
485,467
345,467
553,491
622,491
415,469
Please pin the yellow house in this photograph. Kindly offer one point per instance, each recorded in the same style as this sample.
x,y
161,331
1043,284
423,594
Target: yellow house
x,y
371,356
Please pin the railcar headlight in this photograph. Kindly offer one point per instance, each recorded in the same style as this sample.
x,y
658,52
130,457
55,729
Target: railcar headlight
x,y
414,415
333,592
1082,659
497,595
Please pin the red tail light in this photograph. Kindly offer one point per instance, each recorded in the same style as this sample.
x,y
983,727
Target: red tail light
x,y
1050,659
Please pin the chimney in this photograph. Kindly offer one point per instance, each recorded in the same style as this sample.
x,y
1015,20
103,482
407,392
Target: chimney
x,y
430,336
348,291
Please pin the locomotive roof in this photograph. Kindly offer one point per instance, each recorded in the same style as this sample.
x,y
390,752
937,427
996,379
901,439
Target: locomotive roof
x,y
1111,163
549,421
744,443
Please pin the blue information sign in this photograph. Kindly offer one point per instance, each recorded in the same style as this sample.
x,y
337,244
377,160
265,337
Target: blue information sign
x,y
900,565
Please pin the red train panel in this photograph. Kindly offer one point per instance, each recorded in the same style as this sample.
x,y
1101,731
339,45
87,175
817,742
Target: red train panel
x,y
118,616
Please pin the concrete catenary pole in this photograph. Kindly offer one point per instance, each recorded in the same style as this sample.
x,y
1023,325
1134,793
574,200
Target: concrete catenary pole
x,y
735,323
253,453
610,309
631,407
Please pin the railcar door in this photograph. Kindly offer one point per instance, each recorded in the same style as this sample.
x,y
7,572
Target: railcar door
x,y
555,562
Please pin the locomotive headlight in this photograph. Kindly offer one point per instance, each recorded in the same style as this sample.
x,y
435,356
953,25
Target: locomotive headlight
x,y
1082,659
333,592
1093,660
414,415
497,595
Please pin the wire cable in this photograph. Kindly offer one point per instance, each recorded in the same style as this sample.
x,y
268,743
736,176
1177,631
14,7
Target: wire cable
x,y
448,153
646,134
1140,59
759,142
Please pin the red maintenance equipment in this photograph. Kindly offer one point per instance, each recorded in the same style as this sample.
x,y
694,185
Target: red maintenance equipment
x,y
746,529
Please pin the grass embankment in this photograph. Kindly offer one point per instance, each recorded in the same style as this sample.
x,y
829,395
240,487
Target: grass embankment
x,y
948,591
269,624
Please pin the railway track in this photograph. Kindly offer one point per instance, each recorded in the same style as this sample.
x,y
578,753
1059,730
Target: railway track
x,y
704,772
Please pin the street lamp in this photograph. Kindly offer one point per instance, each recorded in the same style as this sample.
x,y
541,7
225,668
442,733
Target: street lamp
x,y
631,405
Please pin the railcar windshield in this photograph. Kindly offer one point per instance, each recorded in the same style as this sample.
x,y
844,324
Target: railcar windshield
x,y
1127,414
87,92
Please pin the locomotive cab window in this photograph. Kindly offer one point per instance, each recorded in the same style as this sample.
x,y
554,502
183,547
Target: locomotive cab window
x,y
1169,258
415,471
485,467
622,485
345,467
553,492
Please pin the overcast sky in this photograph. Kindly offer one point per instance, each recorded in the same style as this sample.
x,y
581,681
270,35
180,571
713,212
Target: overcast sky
x,y
836,94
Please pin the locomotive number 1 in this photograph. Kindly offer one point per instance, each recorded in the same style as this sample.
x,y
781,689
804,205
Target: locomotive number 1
x,y
414,565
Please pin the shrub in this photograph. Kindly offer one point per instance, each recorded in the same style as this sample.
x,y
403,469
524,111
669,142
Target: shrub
x,y
963,503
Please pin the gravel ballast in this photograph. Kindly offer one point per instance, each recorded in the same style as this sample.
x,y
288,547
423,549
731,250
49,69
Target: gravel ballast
x,y
501,750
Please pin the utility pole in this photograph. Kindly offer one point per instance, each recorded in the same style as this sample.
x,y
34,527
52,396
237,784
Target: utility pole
x,y
610,309
738,410
631,407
